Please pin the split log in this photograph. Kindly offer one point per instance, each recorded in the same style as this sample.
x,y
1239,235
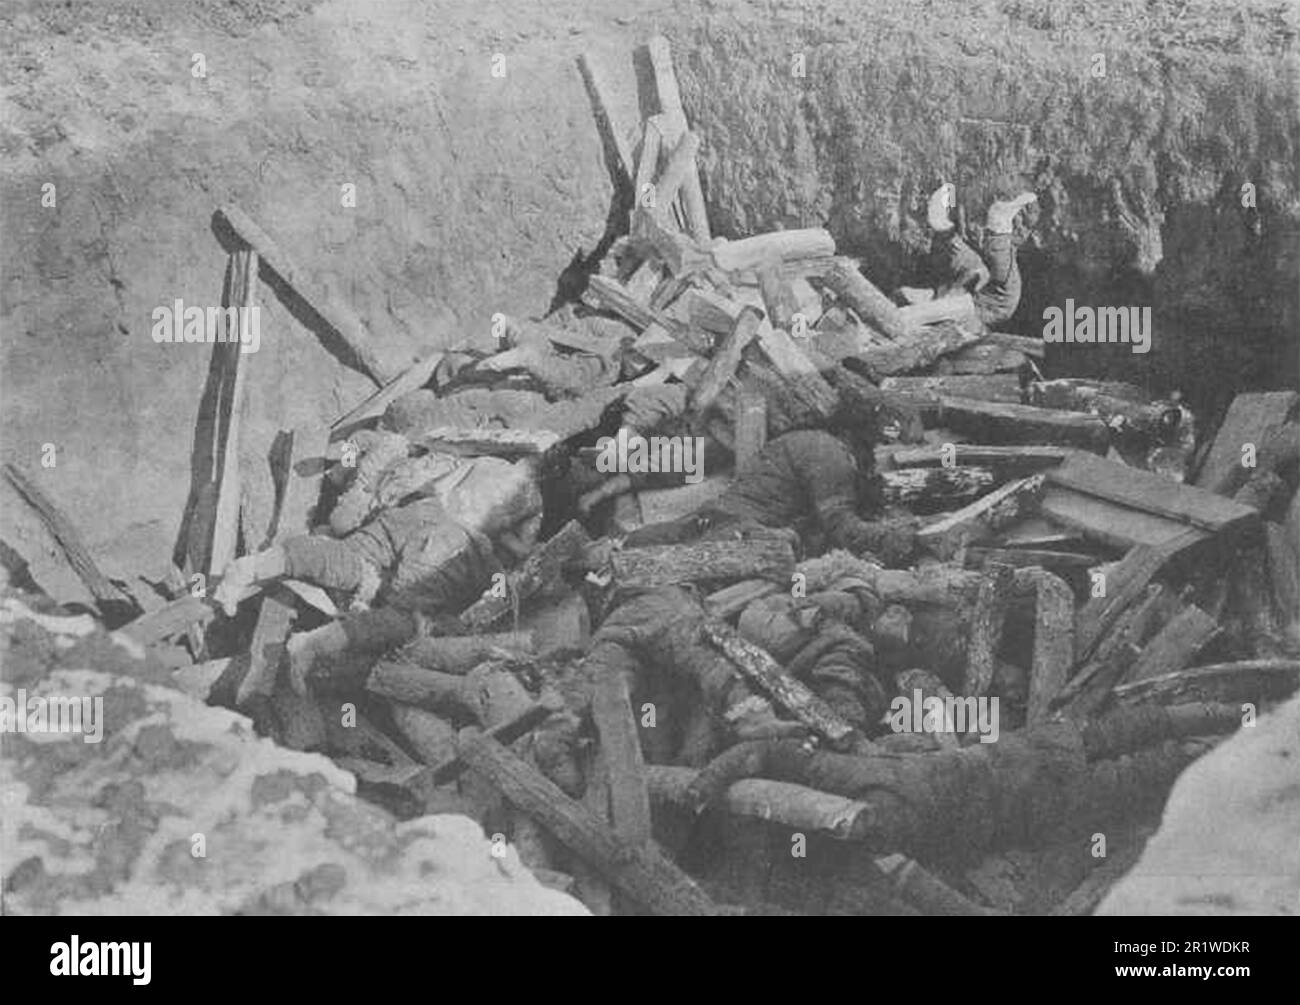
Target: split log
x,y
629,799
1245,680
541,571
805,382
648,165
721,369
856,292
681,163
643,873
666,565
172,619
982,518
1128,729
380,364
996,422
709,310
431,737
1124,583
957,307
930,489
1189,631
788,693
778,245
113,604
458,654
731,600
982,358
778,296
1003,387
267,650
1053,656
506,733
412,685
794,806
986,629
1248,420
605,293
750,430
414,378
917,352
653,234
674,126
1150,493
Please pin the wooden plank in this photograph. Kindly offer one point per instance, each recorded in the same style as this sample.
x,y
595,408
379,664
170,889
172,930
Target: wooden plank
x,y
1248,420
644,873
1175,645
1053,655
414,378
225,525
1151,493
681,162
721,369
304,470
648,164
629,798
615,127
74,549
997,422
1107,522
791,695
653,234
381,365
805,381
981,519
1124,583
985,634
267,650
709,310
674,126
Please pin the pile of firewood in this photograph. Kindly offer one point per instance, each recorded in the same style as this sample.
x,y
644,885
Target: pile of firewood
x,y
1063,532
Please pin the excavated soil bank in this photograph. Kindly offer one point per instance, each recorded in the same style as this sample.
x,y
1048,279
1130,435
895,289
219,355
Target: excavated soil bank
x,y
477,194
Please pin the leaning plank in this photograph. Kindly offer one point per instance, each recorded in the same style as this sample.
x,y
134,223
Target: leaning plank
x,y
303,457
1005,423
414,378
778,245
382,367
644,873
1245,680
65,534
794,806
856,292
1151,493
674,126
772,680
1053,655
664,565
629,799
1248,420
1122,585
541,571
1186,634
980,519
986,623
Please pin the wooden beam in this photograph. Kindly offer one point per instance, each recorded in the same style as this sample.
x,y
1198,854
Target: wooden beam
x,y
674,127
721,369
985,634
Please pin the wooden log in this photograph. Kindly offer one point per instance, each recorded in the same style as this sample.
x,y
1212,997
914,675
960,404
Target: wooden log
x,y
790,694
1026,344
954,307
1003,387
986,624
721,369
1151,493
1244,680
750,430
1186,634
778,295
1005,460
750,253
412,379
805,382
1248,420
507,732
606,293
934,488
794,806
917,352
629,798
642,872
1127,729
1053,655
982,358
1123,407
615,128
381,365
982,518
731,600
267,650
1123,584
674,126
653,235
542,570
432,738
709,310
666,565
112,602
421,688
995,422
856,292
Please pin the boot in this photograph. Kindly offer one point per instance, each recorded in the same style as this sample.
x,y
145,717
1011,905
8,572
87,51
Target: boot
x,y
1001,214
941,202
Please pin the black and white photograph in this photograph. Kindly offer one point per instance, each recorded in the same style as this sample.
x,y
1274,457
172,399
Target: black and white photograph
x,y
730,458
